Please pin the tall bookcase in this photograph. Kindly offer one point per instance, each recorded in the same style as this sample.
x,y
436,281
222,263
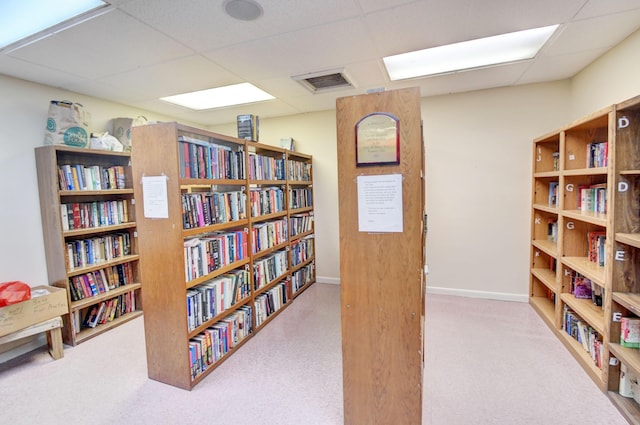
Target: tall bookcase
x,y
585,228
89,227
229,252
625,291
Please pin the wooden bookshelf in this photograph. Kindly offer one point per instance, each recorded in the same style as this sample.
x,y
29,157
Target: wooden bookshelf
x,y
188,310
625,273
619,223
89,228
570,176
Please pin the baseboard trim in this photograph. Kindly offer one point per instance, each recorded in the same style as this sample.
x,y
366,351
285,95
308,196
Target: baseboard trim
x,y
326,279
499,296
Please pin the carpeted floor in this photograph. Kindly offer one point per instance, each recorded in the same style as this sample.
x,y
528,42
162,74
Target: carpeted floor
x,y
487,362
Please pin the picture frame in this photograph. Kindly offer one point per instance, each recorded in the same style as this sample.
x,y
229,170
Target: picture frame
x,y
377,140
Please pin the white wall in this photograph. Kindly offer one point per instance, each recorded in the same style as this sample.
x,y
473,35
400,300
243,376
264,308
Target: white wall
x,y
611,79
478,167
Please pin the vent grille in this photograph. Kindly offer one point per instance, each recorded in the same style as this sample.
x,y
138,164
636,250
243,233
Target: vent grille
x,y
323,81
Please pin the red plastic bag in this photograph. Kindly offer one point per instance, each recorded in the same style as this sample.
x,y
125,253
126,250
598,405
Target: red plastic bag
x,y
14,292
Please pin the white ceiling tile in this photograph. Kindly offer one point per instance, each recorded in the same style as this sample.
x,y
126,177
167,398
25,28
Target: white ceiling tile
x,y
342,42
292,15
180,76
491,77
327,47
580,35
263,58
369,6
200,24
595,8
111,43
34,72
548,68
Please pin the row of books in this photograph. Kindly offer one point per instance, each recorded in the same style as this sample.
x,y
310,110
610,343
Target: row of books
x,y
269,302
203,160
266,167
100,281
86,215
299,171
86,252
553,194
268,234
300,223
267,269
583,288
597,154
300,198
209,299
301,250
93,177
301,277
204,209
582,332
213,343
593,198
108,310
596,241
212,251
265,201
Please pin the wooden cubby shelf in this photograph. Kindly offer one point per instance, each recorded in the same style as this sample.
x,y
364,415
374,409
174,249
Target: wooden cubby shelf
x,y
598,244
193,325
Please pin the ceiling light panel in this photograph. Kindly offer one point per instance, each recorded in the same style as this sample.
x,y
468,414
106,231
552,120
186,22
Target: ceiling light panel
x,y
220,97
20,19
471,54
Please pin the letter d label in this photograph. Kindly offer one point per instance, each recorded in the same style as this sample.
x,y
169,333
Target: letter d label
x,y
623,122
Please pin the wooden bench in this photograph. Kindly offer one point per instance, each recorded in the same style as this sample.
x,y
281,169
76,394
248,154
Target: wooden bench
x,y
53,328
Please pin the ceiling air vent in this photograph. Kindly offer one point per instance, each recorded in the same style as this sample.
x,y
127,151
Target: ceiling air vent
x,y
324,80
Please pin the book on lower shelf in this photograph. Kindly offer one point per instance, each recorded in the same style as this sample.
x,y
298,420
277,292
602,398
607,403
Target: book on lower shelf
x,y
630,332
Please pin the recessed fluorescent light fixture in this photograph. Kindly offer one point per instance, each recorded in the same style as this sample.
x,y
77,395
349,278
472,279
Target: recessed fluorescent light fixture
x,y
20,19
236,94
487,51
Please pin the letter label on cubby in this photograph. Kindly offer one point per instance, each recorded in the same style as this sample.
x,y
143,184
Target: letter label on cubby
x,y
623,122
569,187
567,272
537,254
537,220
616,317
620,255
623,186
571,225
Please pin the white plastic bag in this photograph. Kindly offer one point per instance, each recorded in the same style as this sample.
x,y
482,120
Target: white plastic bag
x,y
106,142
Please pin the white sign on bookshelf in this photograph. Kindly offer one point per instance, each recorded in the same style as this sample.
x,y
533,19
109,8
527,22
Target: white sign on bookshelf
x,y
154,196
380,203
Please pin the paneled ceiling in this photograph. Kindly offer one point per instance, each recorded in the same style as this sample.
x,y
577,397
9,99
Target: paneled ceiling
x,y
142,50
